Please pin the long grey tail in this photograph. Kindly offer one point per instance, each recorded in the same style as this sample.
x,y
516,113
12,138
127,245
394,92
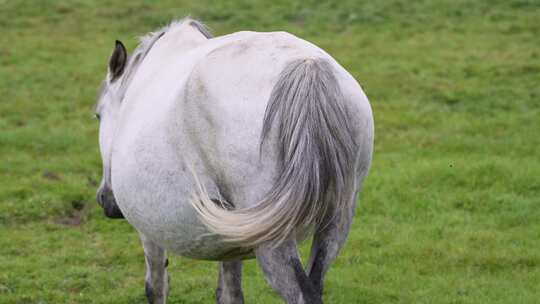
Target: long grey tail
x,y
316,153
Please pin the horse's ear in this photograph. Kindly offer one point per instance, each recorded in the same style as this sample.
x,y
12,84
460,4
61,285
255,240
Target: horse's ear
x,y
118,61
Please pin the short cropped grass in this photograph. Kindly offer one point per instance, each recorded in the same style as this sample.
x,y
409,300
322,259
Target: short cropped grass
x,y
450,212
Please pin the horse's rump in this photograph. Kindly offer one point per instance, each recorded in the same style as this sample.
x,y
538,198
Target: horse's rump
x,y
317,153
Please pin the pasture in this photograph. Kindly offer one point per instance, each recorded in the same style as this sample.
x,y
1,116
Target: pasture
x,y
450,212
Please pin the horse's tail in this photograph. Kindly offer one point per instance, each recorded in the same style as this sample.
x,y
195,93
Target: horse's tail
x,y
316,154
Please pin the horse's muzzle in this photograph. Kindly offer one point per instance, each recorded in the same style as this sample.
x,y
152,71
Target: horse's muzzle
x,y
106,200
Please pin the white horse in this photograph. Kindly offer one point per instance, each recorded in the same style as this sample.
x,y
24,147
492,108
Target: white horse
x,y
233,147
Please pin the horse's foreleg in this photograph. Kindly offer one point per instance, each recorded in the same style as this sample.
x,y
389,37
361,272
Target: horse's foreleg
x,y
327,242
284,272
229,289
157,279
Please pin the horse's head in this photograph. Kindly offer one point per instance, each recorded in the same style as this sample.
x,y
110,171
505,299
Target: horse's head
x,y
121,70
107,110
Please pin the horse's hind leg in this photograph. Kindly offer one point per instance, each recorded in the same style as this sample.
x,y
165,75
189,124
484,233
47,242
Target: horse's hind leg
x,y
327,242
157,279
229,289
284,272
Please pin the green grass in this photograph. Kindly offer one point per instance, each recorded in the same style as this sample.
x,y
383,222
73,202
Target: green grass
x,y
450,212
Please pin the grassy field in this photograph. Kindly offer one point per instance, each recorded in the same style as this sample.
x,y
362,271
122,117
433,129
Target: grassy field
x,y
450,212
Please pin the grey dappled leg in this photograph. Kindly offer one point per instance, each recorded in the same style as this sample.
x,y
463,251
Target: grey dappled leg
x,y
157,279
326,245
229,289
284,272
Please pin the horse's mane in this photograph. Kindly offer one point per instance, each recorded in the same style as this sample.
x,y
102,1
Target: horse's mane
x,y
147,42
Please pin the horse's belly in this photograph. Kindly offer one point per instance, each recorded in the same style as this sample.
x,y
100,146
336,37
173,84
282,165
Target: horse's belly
x,y
178,230
154,197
